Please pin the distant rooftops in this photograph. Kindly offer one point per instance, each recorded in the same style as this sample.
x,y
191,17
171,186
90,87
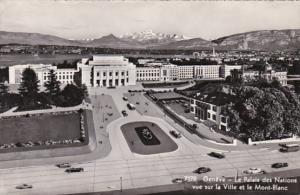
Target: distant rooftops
x,y
216,95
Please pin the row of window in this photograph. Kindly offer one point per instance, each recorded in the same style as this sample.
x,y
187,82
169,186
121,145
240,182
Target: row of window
x,y
147,74
111,73
60,77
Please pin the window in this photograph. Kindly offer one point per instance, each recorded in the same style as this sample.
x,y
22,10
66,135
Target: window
x,y
214,117
110,73
104,74
223,119
192,101
63,76
214,108
122,73
127,73
192,109
223,127
98,74
117,73
208,115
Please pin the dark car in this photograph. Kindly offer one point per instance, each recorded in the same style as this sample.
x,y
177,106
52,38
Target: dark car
x,y
216,155
178,180
125,98
124,113
279,165
23,186
63,165
74,170
175,134
201,170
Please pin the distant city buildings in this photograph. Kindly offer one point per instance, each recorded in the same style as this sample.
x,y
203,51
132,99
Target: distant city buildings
x,y
269,74
114,70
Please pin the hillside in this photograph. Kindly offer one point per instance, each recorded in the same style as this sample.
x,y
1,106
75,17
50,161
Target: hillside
x,y
262,40
34,39
197,43
255,40
111,41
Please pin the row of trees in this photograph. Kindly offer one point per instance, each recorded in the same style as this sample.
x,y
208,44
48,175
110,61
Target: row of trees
x,y
30,97
267,111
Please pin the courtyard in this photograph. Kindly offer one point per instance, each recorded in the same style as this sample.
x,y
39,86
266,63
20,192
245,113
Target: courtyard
x,y
147,138
44,130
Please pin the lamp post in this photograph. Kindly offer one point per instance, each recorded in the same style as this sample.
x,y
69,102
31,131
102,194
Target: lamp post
x,y
121,187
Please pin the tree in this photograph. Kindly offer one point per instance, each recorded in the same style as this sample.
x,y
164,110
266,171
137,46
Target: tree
x,y
77,78
78,83
29,85
264,113
71,95
3,89
29,91
52,85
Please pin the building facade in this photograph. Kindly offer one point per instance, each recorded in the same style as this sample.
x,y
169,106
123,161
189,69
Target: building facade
x,y
225,70
65,76
207,71
205,111
107,71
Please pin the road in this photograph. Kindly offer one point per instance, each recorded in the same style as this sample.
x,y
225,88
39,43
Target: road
x,y
134,170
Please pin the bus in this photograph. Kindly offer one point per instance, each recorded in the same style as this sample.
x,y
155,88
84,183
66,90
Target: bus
x,y
131,106
289,148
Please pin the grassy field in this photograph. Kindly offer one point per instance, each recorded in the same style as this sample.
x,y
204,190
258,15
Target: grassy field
x,y
40,128
8,60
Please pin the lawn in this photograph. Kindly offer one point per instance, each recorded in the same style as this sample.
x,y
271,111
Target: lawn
x,y
40,127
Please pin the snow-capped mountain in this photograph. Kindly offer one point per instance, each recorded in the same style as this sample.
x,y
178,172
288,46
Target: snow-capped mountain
x,y
152,38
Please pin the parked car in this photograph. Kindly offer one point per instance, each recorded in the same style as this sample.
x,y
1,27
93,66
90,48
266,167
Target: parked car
x,y
254,171
178,180
125,98
124,113
74,170
63,165
24,186
280,165
175,134
201,170
216,155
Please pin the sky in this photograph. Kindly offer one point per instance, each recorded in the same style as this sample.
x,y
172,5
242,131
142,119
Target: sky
x,y
81,19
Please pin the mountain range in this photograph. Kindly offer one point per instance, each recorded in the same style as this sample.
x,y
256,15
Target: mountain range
x,y
254,40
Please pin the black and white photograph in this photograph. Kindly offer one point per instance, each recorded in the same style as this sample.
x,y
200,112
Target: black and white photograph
x,y
111,97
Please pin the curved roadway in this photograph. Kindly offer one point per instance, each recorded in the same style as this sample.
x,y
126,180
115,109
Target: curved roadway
x,y
136,170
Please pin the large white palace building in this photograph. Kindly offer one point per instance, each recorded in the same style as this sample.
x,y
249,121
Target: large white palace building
x,y
114,70
107,71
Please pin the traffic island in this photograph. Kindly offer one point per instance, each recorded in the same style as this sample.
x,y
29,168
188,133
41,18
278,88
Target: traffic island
x,y
147,138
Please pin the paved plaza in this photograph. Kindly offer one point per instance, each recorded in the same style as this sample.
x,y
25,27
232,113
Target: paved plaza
x,y
115,163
